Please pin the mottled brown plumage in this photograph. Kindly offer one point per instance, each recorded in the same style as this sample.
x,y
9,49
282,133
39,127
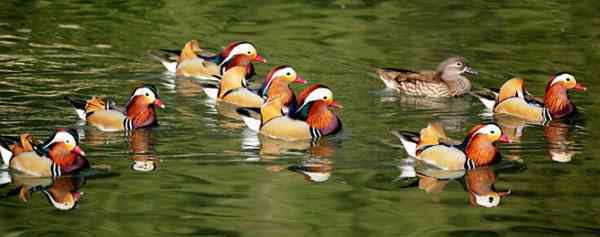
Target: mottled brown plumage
x,y
446,81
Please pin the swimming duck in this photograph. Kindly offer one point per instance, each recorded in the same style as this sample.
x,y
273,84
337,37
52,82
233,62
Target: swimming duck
x,y
447,81
433,147
311,120
189,61
139,112
513,99
59,155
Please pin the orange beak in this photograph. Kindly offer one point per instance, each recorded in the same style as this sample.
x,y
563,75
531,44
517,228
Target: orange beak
x,y
504,138
580,87
260,59
77,150
300,80
335,104
158,103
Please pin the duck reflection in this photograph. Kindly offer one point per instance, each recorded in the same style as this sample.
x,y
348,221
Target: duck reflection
x,y
141,144
479,184
452,112
62,192
314,170
558,135
317,168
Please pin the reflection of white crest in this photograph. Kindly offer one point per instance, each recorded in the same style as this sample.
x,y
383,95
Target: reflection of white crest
x,y
63,206
144,165
562,156
317,176
491,200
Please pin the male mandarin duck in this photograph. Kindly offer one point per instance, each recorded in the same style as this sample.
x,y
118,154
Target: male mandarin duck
x,y
433,147
311,120
59,155
446,81
233,87
513,99
188,62
139,111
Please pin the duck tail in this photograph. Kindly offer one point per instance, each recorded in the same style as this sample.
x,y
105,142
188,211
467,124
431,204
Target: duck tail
x,y
83,108
251,117
409,141
168,58
487,97
5,148
210,88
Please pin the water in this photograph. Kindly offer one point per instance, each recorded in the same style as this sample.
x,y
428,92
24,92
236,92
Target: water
x,y
205,175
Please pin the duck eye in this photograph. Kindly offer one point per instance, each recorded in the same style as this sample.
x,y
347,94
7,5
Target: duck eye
x,y
249,52
491,199
568,79
459,64
288,74
492,132
324,97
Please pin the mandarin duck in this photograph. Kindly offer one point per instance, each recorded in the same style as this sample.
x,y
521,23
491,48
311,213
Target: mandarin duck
x,y
311,120
139,111
188,62
447,81
433,147
513,99
233,87
59,155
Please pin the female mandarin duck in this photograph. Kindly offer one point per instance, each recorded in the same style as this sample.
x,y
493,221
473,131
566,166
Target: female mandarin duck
x,y
446,81
187,62
59,155
432,146
311,120
139,112
513,99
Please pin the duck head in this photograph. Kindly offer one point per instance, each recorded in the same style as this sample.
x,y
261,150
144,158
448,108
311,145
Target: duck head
x,y
141,106
240,48
64,150
557,99
314,103
277,83
479,143
454,67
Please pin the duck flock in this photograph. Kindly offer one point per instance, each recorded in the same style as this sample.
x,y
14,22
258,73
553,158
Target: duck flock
x,y
274,110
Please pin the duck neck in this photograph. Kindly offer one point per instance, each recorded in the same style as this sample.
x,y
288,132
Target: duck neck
x,y
61,155
278,87
140,113
320,117
557,101
479,150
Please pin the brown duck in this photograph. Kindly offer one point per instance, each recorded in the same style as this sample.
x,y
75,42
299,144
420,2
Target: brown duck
x,y
447,81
